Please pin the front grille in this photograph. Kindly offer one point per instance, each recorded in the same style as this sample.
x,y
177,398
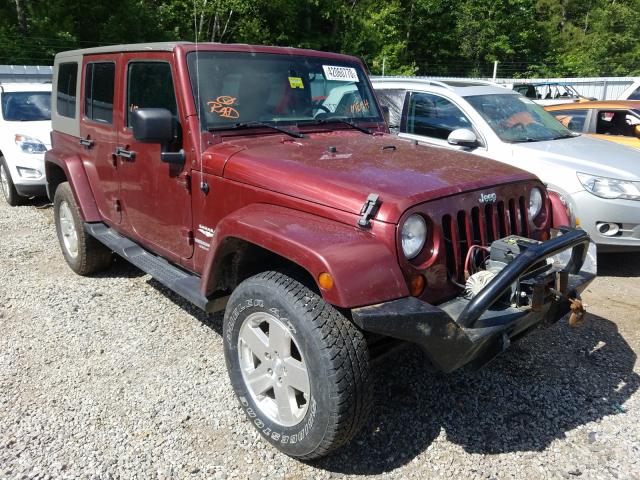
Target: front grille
x,y
481,226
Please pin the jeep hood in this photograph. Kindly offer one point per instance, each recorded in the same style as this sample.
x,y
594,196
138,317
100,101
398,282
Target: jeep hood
x,y
340,169
584,154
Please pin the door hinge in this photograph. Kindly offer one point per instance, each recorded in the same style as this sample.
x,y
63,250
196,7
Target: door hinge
x,y
188,234
185,181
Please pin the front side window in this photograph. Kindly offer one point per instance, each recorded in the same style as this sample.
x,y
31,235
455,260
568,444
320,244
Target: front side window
x,y
434,116
574,120
240,88
26,106
98,91
66,89
515,118
150,85
616,122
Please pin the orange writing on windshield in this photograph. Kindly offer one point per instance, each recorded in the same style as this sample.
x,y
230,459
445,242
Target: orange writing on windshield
x,y
223,106
360,107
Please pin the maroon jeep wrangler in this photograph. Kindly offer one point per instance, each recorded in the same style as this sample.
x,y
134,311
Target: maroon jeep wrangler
x,y
263,181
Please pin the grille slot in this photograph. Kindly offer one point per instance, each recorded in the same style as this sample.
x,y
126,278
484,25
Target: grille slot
x,y
480,226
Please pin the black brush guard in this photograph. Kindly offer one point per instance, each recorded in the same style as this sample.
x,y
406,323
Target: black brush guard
x,y
461,331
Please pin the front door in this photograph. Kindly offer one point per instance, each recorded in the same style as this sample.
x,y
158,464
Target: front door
x,y
155,195
617,126
431,118
98,133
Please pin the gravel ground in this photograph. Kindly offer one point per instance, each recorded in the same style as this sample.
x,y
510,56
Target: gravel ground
x,y
115,377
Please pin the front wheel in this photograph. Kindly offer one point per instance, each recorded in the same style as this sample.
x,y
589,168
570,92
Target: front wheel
x,y
9,192
299,367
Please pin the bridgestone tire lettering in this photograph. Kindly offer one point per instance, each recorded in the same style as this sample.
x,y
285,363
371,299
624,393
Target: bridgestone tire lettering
x,y
336,358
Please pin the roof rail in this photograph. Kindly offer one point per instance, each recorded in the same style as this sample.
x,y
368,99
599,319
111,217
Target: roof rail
x,y
436,83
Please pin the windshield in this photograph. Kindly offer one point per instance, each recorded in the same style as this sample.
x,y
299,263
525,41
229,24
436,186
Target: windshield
x,y
515,118
26,106
246,88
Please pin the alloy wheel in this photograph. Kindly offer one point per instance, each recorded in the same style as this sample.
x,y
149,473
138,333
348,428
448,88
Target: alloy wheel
x,y
68,230
273,368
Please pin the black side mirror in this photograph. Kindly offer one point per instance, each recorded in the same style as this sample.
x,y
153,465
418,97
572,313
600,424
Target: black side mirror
x,y
152,125
156,125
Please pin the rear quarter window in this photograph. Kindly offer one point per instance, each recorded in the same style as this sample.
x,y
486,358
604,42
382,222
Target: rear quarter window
x,y
66,89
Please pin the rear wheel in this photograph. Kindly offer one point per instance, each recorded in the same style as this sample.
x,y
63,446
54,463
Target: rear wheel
x,y
9,191
83,253
299,367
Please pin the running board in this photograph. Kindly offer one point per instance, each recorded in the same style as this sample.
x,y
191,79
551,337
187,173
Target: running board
x,y
185,284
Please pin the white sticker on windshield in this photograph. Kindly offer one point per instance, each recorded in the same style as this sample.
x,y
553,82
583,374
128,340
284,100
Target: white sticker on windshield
x,y
341,74
525,100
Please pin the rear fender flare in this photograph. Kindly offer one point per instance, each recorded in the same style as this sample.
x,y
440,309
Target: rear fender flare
x,y
77,178
363,268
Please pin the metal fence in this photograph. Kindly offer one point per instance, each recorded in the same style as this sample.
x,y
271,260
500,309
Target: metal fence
x,y
602,88
25,73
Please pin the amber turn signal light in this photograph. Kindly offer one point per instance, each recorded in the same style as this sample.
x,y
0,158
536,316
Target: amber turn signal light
x,y
325,280
416,286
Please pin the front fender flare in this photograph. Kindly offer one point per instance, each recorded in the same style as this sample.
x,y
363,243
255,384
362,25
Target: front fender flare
x,y
364,269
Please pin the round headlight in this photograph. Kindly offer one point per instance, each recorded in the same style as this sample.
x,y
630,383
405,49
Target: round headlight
x,y
535,203
414,235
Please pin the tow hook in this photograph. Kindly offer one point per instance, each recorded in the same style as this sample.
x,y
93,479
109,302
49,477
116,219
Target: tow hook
x,y
577,308
577,312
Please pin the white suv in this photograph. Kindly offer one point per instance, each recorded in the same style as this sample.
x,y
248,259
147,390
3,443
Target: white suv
x,y
25,128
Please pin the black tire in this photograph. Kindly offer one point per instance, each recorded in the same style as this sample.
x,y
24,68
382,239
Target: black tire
x,y
91,256
335,354
9,192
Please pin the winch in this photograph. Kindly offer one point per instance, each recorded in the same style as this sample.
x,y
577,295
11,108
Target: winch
x,y
501,253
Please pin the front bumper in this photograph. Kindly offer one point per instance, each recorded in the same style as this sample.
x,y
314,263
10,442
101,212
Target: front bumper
x,y
462,331
591,210
19,160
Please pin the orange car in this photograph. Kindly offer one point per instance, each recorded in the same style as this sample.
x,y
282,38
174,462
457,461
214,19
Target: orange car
x,y
618,121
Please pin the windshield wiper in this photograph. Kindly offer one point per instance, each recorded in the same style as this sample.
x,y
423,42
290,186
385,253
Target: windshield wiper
x,y
344,121
240,125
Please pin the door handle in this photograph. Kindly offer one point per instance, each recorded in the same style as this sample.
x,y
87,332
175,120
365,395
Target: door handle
x,y
86,142
128,154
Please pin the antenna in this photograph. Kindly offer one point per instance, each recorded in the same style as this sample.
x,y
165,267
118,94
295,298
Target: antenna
x,y
204,186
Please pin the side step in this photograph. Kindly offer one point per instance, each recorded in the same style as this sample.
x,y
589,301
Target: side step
x,y
185,284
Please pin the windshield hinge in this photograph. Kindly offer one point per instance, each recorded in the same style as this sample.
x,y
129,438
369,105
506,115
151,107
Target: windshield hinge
x,y
369,209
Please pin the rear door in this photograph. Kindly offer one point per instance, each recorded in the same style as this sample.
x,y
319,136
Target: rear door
x,y
156,196
98,132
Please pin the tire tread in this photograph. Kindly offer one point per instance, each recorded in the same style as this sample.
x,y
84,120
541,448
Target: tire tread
x,y
345,353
